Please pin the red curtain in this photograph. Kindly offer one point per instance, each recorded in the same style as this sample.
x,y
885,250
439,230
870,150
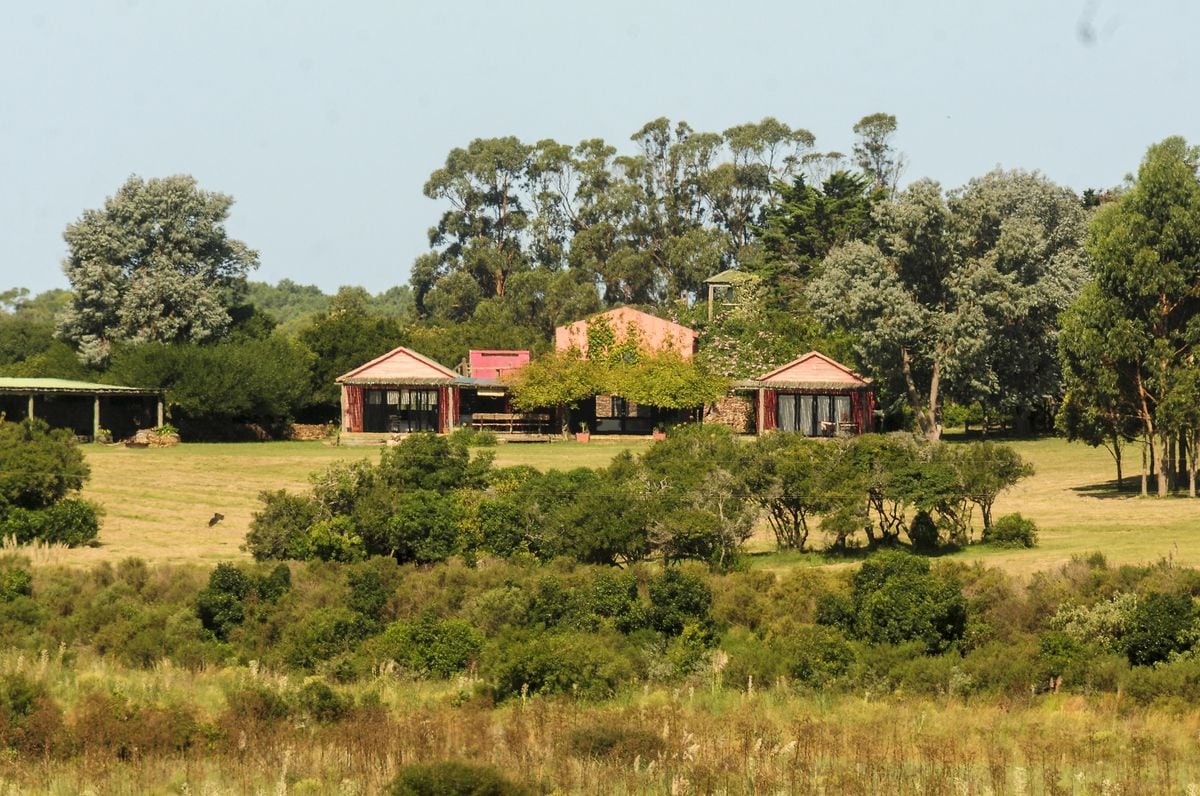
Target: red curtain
x,y
354,407
443,408
769,410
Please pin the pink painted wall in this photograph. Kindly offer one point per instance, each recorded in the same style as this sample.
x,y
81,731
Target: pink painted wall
x,y
655,333
491,364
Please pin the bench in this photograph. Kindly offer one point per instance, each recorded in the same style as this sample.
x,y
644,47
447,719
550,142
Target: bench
x,y
511,422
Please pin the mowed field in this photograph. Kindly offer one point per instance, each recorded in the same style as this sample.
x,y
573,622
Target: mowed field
x,y
158,502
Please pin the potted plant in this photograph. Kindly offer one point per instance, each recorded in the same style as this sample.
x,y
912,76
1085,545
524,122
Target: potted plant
x,y
583,435
659,433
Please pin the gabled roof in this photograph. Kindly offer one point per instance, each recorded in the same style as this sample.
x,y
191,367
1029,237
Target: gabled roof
x,y
815,369
400,366
730,276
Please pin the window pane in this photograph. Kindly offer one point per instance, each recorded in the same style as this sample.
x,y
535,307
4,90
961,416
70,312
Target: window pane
x,y
842,405
786,412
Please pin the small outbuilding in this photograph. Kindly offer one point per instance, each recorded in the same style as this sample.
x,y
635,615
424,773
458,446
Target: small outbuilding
x,y
399,392
815,396
86,409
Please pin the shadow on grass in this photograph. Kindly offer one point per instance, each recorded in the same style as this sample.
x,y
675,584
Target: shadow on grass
x,y
771,559
1107,490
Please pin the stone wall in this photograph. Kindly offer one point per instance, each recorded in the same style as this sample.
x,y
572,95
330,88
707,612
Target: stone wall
x,y
735,411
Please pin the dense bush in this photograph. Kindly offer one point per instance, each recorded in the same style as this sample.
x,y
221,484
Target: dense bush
x,y
39,468
570,663
428,646
897,599
210,388
453,778
1012,530
1162,624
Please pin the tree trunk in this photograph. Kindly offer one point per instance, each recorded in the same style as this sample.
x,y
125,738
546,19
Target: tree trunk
x,y
1144,492
926,414
1117,457
1163,463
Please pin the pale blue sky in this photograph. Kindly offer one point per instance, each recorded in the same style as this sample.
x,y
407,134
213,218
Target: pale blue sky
x,y
323,120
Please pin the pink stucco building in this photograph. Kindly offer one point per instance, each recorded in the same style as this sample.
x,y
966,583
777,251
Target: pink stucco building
x,y
654,333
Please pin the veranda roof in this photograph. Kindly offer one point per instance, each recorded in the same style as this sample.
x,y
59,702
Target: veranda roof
x,y
20,386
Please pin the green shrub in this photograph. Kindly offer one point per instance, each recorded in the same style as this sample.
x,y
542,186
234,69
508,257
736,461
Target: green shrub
x,y
1012,530
1162,624
898,599
572,663
814,655
255,703
30,721
923,533
321,702
1175,681
616,740
676,597
427,645
279,530
71,522
15,582
474,438
323,634
39,466
219,605
452,778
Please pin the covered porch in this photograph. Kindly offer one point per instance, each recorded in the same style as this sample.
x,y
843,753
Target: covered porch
x,y
398,393
84,408
814,396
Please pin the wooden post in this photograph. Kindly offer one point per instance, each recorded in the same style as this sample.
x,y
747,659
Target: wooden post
x,y
29,412
762,409
96,419
342,404
710,301
160,412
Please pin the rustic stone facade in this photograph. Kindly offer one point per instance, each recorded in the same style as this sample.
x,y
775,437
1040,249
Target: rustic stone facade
x,y
735,411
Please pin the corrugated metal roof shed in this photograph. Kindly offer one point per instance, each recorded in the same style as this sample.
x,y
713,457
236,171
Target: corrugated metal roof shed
x,y
27,386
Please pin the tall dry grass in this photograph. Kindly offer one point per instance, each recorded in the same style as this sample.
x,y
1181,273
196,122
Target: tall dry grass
x,y
683,740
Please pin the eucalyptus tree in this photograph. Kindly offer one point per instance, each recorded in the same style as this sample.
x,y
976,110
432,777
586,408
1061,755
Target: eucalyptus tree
x,y
960,295
875,153
483,231
154,264
1145,250
1021,240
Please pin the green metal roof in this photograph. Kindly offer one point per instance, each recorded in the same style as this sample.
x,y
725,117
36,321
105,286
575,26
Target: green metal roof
x,y
26,386
730,276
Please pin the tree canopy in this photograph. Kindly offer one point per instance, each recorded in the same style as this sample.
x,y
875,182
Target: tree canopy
x,y
154,264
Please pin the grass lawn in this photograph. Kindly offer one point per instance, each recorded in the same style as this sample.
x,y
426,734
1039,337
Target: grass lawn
x,y
158,502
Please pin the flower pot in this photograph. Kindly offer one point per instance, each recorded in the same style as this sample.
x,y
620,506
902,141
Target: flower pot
x,y
658,435
583,436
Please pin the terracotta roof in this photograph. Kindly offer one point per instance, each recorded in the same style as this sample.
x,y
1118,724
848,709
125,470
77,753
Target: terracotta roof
x,y
814,367
399,365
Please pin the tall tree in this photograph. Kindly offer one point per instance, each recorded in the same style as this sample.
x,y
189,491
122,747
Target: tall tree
x,y
1145,249
155,264
1021,238
483,232
875,153
961,297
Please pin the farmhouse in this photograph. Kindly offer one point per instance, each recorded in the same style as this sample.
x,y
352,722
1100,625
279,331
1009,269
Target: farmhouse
x,y
814,396
651,332
615,414
84,408
399,392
